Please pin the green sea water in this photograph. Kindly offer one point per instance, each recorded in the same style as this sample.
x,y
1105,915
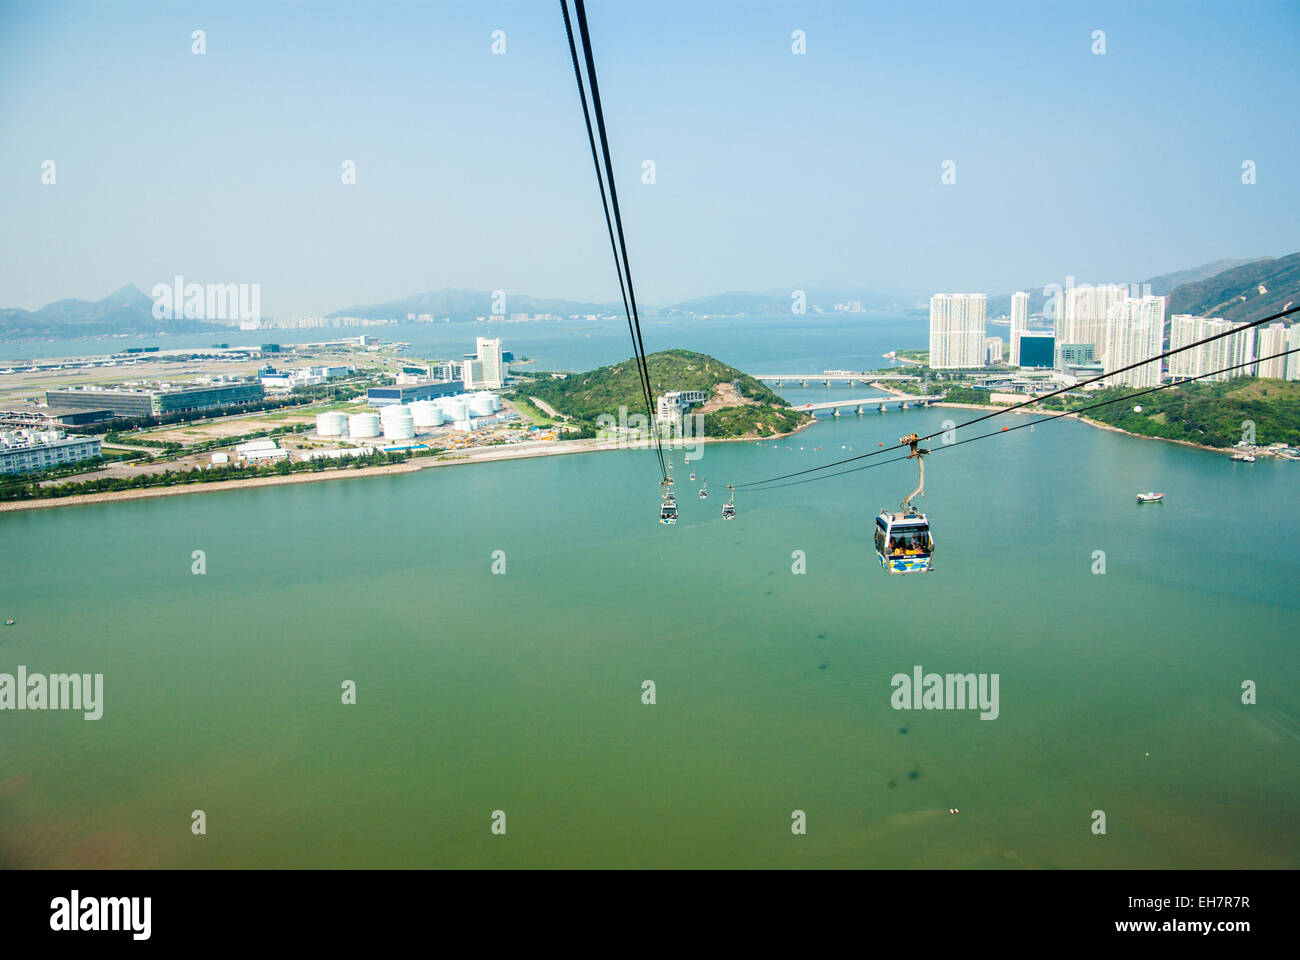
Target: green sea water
x,y
522,692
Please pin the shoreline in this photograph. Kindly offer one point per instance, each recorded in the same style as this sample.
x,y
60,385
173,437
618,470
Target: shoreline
x,y
497,454
526,451
147,493
982,406
1104,426
1182,443
893,355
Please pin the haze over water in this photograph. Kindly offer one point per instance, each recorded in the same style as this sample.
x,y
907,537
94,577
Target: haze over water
x,y
522,692
804,344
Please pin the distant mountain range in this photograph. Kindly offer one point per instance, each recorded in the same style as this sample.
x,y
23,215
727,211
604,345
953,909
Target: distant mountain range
x,y
126,310
468,304
1233,289
775,302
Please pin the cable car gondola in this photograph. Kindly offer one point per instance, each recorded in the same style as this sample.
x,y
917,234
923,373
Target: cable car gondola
x,y
668,508
704,491
903,540
729,508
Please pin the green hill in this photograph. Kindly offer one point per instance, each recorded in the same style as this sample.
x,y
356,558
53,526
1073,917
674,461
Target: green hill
x,y
1211,413
738,404
1248,292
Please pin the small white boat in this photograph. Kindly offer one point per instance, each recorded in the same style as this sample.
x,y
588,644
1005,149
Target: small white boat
x,y
1150,497
1244,457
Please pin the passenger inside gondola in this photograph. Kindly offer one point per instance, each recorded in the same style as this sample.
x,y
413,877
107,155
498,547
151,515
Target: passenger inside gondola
x,y
908,543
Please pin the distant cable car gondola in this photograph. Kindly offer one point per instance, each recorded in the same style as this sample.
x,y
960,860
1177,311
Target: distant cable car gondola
x,y
729,508
704,491
903,540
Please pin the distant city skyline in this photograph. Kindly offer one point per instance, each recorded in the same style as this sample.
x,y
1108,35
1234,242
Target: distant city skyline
x,y
771,169
1107,329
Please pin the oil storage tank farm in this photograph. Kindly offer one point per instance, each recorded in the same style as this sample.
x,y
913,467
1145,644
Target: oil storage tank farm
x,y
427,414
397,421
483,404
454,409
331,424
363,425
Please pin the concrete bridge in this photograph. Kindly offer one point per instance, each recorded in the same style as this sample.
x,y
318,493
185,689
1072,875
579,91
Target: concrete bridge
x,y
846,377
880,403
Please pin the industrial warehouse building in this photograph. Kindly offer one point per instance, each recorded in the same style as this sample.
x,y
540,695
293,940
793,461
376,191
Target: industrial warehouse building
x,y
260,451
406,393
48,418
155,401
24,450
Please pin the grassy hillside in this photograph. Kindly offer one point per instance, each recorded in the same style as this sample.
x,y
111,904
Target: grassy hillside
x,y
1169,282
1248,292
1161,285
585,396
1211,413
762,420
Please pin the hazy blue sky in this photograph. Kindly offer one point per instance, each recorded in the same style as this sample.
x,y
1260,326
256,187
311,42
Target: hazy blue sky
x,y
773,170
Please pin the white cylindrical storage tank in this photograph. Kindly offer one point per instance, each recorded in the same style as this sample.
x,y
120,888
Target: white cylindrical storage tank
x,y
454,408
493,401
398,422
331,424
426,413
363,425
480,405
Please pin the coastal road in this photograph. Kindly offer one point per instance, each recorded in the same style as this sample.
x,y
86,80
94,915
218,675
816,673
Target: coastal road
x,y
547,409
